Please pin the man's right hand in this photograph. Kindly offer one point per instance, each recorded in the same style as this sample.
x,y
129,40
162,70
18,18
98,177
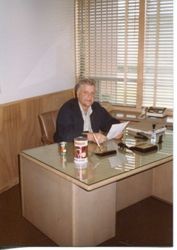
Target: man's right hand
x,y
100,137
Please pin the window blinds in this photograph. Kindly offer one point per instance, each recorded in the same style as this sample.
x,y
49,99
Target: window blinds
x,y
111,49
158,54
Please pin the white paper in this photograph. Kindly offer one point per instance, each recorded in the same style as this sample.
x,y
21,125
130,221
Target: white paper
x,y
116,129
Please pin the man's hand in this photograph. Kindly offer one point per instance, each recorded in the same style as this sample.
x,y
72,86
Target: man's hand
x,y
100,137
119,136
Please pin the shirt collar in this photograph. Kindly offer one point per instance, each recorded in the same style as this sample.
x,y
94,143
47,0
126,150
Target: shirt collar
x,y
89,111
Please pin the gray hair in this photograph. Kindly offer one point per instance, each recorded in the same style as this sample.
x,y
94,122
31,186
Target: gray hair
x,y
82,82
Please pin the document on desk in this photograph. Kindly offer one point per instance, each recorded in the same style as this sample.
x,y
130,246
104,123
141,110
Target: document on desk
x,y
116,129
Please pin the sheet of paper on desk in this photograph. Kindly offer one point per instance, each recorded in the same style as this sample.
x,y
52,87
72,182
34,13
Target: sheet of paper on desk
x,y
116,129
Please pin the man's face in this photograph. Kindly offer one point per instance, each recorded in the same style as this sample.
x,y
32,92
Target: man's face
x,y
85,95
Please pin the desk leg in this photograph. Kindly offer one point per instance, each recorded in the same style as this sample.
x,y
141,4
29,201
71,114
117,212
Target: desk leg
x,y
66,213
163,182
94,215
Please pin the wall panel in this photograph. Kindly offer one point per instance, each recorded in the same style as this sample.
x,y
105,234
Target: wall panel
x,y
19,129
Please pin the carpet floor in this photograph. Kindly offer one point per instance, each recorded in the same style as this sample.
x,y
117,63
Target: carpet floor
x,y
146,223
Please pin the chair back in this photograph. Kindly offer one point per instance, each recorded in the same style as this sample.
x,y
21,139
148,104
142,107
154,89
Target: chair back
x,y
47,121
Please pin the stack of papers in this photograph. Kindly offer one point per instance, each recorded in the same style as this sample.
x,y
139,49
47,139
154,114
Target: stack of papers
x,y
146,126
116,129
148,132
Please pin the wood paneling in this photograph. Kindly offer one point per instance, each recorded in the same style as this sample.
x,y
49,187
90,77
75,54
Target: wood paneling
x,y
19,129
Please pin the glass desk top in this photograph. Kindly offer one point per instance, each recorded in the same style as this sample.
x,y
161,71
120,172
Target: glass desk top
x,y
102,170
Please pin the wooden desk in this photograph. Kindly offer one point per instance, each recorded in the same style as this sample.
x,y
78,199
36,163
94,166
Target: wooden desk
x,y
76,205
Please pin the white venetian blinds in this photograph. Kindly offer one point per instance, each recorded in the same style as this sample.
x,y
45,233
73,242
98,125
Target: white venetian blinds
x,y
113,42
158,54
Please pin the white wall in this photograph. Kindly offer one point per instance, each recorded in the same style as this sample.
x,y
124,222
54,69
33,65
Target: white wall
x,y
36,47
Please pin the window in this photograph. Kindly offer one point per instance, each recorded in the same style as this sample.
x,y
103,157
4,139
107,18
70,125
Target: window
x,y
127,47
158,54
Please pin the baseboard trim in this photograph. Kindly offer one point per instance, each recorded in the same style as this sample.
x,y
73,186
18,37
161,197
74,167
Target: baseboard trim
x,y
9,185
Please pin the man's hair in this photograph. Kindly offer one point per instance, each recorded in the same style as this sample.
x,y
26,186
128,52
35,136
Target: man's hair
x,y
82,82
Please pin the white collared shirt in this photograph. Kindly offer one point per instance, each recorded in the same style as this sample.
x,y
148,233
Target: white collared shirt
x,y
86,118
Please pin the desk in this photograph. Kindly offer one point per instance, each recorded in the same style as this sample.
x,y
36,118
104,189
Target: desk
x,y
76,205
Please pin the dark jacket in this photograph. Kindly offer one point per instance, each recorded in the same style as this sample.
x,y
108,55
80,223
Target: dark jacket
x,y
69,124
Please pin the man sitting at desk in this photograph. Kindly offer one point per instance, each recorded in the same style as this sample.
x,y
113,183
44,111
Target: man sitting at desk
x,y
81,114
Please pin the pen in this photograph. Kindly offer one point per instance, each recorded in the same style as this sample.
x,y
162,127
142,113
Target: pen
x,y
96,141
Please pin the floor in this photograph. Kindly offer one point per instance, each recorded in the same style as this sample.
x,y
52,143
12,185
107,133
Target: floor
x,y
147,223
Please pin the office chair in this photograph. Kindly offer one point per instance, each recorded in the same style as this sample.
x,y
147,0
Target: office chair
x,y
47,121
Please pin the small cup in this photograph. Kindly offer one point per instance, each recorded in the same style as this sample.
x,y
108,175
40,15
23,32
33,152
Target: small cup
x,y
62,147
